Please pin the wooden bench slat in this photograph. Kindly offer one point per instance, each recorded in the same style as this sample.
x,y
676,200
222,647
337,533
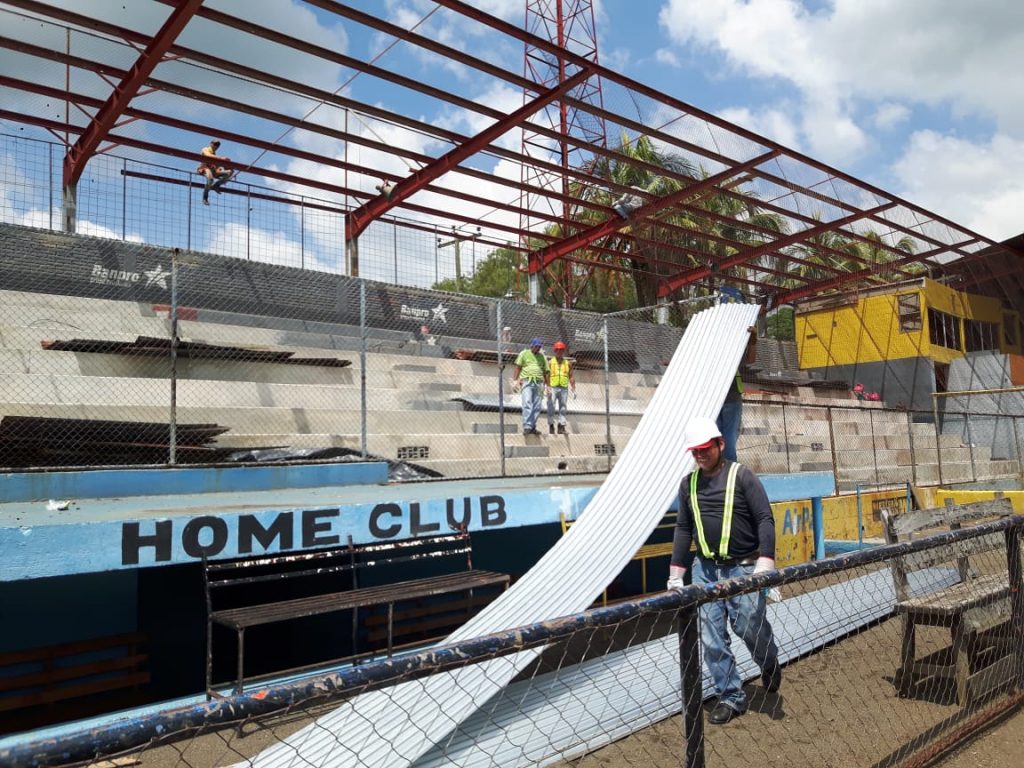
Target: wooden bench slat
x,y
249,616
920,519
51,695
28,655
928,558
61,674
375,621
959,597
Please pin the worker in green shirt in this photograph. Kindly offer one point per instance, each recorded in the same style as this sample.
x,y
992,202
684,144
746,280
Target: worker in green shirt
x,y
530,377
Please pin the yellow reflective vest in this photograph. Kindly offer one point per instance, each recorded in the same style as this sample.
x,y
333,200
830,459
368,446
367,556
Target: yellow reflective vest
x,y
558,373
730,497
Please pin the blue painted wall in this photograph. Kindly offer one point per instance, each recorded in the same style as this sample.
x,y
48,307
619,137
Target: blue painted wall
x,y
121,483
67,609
138,540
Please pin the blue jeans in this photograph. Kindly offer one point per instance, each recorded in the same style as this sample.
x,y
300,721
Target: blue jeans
x,y
746,615
531,403
728,422
557,403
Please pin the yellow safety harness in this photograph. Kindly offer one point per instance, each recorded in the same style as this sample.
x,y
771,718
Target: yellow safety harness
x,y
730,496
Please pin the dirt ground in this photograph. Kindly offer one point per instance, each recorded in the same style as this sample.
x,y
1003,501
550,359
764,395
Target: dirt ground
x,y
1000,746
837,709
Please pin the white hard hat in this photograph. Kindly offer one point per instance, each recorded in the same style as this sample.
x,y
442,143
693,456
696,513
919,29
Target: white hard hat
x,y
700,432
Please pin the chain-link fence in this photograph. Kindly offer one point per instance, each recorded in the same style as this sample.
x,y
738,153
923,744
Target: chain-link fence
x,y
868,444
887,656
125,354
988,424
121,354
234,335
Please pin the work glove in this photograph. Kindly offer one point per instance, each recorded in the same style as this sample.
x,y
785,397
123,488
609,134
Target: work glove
x,y
763,565
675,578
574,393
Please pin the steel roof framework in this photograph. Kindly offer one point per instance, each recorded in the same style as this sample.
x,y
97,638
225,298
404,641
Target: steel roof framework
x,y
743,209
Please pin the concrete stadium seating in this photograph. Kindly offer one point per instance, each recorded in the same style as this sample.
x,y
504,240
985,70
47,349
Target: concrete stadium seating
x,y
416,399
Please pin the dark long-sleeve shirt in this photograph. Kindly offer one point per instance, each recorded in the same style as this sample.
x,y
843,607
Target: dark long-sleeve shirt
x,y
753,527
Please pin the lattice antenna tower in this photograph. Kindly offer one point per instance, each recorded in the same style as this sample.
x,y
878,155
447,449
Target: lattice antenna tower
x,y
568,24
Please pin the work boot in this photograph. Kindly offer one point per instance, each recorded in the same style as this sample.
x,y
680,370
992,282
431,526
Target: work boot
x,y
562,430
723,713
551,429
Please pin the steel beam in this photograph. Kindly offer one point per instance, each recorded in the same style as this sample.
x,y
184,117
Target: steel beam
x,y
115,105
668,286
541,258
360,218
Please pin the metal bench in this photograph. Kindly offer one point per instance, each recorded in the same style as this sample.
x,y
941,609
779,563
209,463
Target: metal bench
x,y
323,572
976,610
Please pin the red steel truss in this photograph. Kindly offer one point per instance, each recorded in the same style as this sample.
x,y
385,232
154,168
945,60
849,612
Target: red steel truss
x,y
569,24
710,203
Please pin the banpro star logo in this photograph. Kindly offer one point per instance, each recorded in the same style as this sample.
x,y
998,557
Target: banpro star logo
x,y
157,276
124,277
439,313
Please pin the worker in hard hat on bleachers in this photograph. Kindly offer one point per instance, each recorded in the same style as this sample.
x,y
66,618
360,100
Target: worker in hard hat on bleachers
x,y
560,382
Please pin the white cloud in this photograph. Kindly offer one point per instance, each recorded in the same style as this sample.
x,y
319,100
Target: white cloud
x,y
235,241
923,51
890,114
775,124
877,65
979,185
667,57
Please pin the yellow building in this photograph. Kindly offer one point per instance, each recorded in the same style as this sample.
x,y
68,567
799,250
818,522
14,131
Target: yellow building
x,y
899,340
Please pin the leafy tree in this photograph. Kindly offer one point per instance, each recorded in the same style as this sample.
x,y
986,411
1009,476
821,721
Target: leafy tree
x,y
781,324
495,275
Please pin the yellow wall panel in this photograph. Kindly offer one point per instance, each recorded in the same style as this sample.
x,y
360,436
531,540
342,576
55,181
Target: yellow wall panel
x,y
864,331
966,497
867,329
840,515
794,532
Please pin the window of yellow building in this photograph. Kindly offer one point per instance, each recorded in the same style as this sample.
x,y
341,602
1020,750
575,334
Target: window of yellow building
x,y
908,305
979,335
944,329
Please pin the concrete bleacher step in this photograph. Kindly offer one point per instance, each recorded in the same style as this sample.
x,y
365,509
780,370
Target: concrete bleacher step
x,y
519,466
442,447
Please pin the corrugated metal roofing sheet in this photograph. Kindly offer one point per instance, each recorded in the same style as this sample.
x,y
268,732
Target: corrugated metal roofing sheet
x,y
396,726
579,708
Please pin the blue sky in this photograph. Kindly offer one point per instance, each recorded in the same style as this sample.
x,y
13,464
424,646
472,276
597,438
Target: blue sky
x,y
919,97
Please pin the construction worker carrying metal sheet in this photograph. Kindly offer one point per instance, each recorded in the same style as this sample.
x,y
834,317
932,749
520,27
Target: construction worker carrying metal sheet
x,y
724,507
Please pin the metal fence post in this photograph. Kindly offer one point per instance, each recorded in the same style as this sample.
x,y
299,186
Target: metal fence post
x,y
913,454
832,446
363,336
172,426
607,396
1016,448
1014,574
690,687
938,433
501,388
970,442
785,437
